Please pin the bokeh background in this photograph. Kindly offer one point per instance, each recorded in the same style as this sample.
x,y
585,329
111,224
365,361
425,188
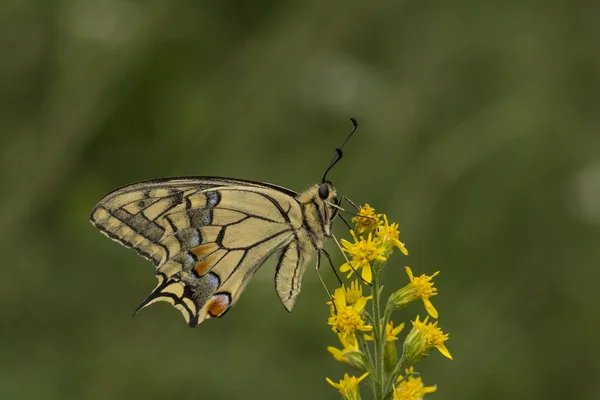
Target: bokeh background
x,y
479,133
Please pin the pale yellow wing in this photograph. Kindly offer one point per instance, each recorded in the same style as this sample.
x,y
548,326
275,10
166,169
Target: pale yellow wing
x,y
291,267
206,236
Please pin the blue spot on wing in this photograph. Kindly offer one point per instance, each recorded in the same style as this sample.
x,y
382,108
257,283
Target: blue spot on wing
x,y
213,280
213,198
191,259
195,239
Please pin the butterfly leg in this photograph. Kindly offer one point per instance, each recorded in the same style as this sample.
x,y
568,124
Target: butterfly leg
x,y
319,275
334,270
332,266
346,222
349,201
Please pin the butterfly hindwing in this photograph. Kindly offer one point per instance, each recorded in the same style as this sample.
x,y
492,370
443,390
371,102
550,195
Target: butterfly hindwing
x,y
290,269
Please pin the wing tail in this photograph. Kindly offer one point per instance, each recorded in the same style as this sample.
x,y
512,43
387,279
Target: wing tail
x,y
176,293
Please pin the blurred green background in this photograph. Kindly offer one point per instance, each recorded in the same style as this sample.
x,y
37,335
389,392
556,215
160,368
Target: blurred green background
x,y
479,133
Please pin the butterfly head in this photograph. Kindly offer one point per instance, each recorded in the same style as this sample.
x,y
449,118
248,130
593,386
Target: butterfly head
x,y
326,193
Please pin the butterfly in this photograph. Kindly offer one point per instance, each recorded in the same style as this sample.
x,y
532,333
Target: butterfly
x,y
207,236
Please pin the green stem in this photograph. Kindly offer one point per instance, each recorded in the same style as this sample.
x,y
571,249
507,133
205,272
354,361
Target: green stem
x,y
401,365
364,347
379,373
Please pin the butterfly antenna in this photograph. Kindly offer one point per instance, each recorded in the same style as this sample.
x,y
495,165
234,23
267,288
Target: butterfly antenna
x,y
338,152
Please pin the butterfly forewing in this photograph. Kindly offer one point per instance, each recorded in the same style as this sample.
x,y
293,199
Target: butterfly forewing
x,y
207,236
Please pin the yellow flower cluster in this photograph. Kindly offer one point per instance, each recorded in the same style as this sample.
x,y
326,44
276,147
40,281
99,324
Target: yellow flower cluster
x,y
348,386
411,388
346,318
419,288
367,334
423,337
381,239
363,253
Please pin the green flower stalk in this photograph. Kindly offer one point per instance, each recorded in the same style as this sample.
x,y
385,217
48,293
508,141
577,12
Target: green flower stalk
x,y
366,333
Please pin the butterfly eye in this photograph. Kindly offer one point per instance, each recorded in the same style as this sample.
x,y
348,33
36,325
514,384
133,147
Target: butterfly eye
x,y
323,192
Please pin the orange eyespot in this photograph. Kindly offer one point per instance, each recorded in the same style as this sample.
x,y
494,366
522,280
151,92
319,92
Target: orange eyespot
x,y
218,305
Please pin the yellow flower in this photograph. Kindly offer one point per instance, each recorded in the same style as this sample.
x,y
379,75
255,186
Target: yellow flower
x,y
346,319
354,292
362,252
389,234
422,338
424,289
348,387
366,218
350,353
419,288
390,332
411,388
349,343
